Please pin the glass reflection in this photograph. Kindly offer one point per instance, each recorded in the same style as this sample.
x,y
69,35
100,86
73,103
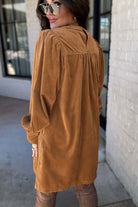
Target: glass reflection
x,y
105,6
14,37
104,96
21,29
9,36
19,10
18,63
106,63
104,31
12,62
24,63
6,11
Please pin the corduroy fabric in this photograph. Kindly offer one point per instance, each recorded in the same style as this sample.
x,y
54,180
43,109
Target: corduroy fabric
x,y
65,104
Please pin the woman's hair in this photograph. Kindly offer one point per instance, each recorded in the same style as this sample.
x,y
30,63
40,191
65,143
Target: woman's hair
x,y
79,8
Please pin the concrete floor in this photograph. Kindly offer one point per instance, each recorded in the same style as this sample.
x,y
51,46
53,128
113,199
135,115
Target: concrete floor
x,y
16,169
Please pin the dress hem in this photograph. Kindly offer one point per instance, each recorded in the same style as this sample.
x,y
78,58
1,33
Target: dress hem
x,y
62,188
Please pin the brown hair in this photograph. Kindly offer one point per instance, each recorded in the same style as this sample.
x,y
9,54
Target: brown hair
x,y
79,8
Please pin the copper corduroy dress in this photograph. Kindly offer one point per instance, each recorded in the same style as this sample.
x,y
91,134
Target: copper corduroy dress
x,y
65,104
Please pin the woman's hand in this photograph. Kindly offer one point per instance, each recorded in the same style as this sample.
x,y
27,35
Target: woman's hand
x,y
34,150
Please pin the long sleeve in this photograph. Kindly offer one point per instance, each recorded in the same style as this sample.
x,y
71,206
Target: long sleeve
x,y
100,78
45,85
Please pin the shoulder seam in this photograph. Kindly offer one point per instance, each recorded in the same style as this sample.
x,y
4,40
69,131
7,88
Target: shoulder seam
x,y
58,39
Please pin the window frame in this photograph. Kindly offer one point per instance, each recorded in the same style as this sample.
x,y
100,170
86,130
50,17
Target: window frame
x,y
96,35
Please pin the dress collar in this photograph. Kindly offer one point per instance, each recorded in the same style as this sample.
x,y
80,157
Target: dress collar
x,y
75,26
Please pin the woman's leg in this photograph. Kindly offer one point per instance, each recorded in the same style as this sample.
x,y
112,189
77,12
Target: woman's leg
x,y
86,195
45,199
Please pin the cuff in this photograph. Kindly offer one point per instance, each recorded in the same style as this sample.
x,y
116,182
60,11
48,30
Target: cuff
x,y
31,136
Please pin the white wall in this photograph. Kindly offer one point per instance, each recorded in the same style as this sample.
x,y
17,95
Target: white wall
x,y
33,26
19,87
122,113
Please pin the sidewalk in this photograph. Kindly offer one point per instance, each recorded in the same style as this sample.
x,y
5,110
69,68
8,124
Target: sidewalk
x,y
16,169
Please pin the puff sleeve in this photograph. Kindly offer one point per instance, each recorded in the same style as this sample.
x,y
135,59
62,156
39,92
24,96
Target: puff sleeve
x,y
45,84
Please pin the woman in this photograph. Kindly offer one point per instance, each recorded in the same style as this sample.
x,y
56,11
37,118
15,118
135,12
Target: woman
x,y
65,104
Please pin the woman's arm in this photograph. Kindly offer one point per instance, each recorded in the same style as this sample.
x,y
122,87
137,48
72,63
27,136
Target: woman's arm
x,y
45,84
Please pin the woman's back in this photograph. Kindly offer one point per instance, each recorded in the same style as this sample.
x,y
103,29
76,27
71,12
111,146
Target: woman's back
x,y
65,103
65,107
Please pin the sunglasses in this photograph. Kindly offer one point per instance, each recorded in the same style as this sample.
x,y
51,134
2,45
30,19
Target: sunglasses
x,y
53,7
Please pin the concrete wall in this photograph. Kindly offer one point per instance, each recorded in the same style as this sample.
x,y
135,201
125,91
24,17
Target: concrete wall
x,y
19,87
122,113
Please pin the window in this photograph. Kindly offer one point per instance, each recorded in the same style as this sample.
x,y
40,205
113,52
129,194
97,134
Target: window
x,y
105,27
13,31
99,23
90,18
